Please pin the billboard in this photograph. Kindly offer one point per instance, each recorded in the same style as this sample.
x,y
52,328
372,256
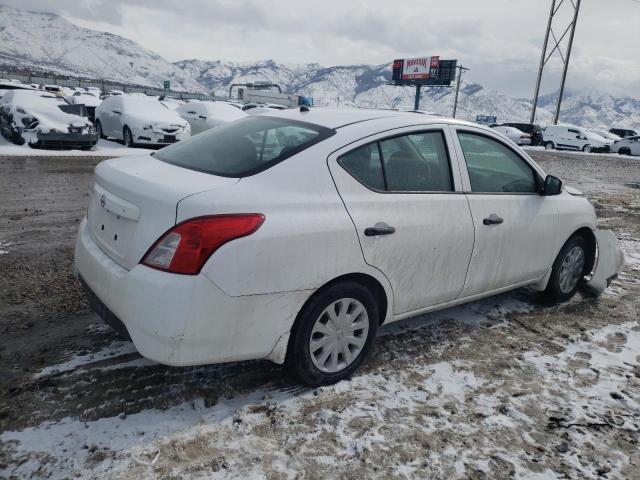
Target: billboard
x,y
420,68
423,71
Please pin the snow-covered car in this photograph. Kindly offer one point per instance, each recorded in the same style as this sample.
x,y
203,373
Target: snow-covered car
x,y
516,136
139,121
604,134
217,249
205,115
89,100
43,119
571,137
627,146
261,108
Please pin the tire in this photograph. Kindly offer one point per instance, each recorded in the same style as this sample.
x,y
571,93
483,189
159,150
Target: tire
x,y
99,130
127,137
323,366
587,149
567,271
549,146
624,151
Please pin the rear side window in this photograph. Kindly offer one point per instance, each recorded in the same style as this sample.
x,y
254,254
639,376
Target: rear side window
x,y
244,147
408,163
364,164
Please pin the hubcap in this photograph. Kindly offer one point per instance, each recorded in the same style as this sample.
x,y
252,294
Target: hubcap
x,y
339,335
571,269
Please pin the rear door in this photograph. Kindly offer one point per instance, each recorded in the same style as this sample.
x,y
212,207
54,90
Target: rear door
x,y
413,221
512,220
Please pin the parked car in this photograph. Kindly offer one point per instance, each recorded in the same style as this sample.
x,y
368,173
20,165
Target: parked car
x,y
205,115
623,132
627,146
570,137
261,108
604,134
44,119
139,121
516,136
534,130
215,250
89,100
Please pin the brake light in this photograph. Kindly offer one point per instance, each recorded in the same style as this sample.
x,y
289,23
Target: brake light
x,y
186,247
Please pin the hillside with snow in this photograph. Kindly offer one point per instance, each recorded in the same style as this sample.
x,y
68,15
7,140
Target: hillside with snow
x,y
43,42
47,42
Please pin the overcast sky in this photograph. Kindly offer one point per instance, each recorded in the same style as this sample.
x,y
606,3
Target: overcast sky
x,y
500,40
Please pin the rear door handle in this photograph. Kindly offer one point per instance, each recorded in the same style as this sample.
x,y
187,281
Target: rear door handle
x,y
379,228
493,219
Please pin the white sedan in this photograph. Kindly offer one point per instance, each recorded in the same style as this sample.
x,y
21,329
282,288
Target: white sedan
x,y
516,136
292,237
138,120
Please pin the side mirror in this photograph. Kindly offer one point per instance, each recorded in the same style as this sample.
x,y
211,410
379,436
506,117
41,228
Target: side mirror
x,y
552,186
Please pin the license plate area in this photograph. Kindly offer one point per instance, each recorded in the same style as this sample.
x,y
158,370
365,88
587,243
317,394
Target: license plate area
x,y
112,232
169,138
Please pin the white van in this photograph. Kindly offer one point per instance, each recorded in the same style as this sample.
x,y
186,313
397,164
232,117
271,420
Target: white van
x,y
570,137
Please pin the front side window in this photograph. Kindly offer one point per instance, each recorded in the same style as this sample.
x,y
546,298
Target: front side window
x,y
245,147
495,168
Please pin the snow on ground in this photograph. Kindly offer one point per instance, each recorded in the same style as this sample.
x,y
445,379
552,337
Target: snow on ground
x,y
105,148
571,152
116,349
3,246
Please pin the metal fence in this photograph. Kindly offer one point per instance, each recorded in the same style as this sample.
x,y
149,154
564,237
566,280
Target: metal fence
x,y
103,85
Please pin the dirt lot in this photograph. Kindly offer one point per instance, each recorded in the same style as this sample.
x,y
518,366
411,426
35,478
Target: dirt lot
x,y
506,387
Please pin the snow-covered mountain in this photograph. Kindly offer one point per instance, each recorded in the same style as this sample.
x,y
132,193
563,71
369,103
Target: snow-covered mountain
x,y
47,42
359,86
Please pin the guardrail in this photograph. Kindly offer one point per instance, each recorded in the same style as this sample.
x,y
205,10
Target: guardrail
x,y
103,85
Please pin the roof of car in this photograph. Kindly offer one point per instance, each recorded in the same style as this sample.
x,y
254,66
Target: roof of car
x,y
336,118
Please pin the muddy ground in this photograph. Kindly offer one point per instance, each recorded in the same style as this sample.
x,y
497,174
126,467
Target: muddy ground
x,y
508,403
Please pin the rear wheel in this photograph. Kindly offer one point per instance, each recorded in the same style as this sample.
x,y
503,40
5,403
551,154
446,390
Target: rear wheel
x,y
549,146
568,270
127,137
587,149
333,334
99,130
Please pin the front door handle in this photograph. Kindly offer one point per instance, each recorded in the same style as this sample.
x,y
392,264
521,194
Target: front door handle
x,y
379,228
493,219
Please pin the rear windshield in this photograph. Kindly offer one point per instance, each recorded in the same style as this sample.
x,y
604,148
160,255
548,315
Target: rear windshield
x,y
244,147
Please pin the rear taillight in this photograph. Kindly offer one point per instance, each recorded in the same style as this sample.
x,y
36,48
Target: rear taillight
x,y
186,247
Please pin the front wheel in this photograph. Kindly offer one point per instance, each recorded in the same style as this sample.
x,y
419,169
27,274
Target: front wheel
x,y
587,149
568,270
333,334
127,137
624,151
549,146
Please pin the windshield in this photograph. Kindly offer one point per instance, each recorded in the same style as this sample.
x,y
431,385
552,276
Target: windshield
x,y
245,147
133,104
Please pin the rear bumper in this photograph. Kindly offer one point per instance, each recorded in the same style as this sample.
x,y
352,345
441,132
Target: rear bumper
x,y
184,319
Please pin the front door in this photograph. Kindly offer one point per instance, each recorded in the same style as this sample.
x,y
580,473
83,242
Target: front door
x,y
513,222
412,219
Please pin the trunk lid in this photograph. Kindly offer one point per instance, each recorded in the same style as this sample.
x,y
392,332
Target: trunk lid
x,y
134,201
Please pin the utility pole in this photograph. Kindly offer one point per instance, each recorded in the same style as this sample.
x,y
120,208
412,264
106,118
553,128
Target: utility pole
x,y
455,102
545,57
416,103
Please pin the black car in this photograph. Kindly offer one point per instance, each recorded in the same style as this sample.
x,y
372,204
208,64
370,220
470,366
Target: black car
x,y
534,130
623,132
